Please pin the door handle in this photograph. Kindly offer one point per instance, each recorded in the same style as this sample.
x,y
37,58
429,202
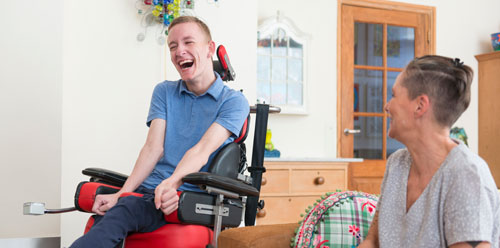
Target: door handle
x,y
348,131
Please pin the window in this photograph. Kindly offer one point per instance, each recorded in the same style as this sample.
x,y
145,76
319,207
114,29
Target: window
x,y
281,54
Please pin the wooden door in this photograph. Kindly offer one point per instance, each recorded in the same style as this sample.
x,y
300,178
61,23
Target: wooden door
x,y
377,40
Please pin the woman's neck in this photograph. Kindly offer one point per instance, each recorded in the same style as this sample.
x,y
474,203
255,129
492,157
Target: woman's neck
x,y
429,150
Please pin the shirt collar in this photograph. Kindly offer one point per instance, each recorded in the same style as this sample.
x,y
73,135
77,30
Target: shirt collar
x,y
214,90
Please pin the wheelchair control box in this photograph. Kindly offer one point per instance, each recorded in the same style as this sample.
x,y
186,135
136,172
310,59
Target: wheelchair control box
x,y
199,208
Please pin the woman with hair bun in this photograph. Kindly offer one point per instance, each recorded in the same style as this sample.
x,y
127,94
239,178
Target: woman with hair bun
x,y
435,192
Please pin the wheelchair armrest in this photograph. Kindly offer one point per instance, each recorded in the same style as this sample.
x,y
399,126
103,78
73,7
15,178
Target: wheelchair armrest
x,y
226,183
86,192
105,176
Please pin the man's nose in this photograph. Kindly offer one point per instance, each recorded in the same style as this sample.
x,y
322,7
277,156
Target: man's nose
x,y
180,50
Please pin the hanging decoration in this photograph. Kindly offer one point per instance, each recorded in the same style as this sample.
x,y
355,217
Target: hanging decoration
x,y
161,12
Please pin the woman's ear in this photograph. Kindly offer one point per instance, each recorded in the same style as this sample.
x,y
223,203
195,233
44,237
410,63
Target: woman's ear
x,y
423,105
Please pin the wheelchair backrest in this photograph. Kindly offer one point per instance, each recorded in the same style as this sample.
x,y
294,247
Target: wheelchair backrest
x,y
229,159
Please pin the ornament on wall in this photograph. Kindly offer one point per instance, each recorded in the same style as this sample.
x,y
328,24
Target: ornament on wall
x,y
161,13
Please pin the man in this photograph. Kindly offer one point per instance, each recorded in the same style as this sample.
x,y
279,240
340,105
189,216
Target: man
x,y
189,121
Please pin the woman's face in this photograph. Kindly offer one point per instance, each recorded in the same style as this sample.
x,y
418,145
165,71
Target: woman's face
x,y
400,109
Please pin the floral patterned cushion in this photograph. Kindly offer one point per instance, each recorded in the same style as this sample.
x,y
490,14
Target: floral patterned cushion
x,y
339,219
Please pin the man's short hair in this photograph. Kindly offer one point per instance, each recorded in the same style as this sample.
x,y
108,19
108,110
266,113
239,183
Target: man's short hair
x,y
446,81
185,19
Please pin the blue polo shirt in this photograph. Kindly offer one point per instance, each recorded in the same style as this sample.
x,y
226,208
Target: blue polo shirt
x,y
188,117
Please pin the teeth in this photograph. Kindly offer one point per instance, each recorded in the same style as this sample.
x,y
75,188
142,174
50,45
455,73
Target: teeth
x,y
185,61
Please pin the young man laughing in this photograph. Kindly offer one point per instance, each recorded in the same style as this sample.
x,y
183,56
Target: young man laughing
x,y
189,121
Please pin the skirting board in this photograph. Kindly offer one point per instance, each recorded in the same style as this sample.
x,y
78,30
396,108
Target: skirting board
x,y
49,242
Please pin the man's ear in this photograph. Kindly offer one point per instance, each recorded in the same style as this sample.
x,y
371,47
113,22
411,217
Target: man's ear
x,y
211,48
423,105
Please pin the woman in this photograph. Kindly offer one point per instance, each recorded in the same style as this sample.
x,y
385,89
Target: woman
x,y
436,192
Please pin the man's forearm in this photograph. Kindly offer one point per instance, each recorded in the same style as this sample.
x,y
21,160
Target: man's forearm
x,y
191,162
198,155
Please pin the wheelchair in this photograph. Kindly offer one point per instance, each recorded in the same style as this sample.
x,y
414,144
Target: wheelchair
x,y
230,192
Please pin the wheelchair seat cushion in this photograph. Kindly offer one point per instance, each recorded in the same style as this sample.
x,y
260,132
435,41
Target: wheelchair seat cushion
x,y
170,235
340,219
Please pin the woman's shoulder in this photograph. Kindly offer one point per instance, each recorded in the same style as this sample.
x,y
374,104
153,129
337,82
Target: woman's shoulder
x,y
462,159
466,167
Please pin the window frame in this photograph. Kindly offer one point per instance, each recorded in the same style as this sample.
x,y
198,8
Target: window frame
x,y
266,29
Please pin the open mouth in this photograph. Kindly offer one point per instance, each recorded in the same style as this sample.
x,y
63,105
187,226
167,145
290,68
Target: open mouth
x,y
185,64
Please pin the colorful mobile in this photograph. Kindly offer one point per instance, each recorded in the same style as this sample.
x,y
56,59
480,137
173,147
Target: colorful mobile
x,y
162,12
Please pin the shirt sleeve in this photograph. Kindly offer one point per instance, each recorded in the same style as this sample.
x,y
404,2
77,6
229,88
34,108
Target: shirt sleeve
x,y
158,106
233,113
468,207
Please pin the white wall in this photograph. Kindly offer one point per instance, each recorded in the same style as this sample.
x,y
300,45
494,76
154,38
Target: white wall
x,y
30,114
463,29
109,78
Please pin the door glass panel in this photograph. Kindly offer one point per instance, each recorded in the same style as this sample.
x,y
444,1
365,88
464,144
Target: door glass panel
x,y
400,46
368,44
368,143
391,79
368,91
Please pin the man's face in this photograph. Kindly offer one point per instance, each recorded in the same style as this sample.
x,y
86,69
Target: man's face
x,y
190,51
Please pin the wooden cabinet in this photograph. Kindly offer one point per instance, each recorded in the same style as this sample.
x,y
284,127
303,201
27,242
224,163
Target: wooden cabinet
x,y
488,111
289,187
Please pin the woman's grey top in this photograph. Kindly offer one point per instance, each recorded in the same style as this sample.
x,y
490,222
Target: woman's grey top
x,y
460,203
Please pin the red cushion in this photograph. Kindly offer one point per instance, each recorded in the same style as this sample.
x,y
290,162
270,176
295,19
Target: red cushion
x,y
172,235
